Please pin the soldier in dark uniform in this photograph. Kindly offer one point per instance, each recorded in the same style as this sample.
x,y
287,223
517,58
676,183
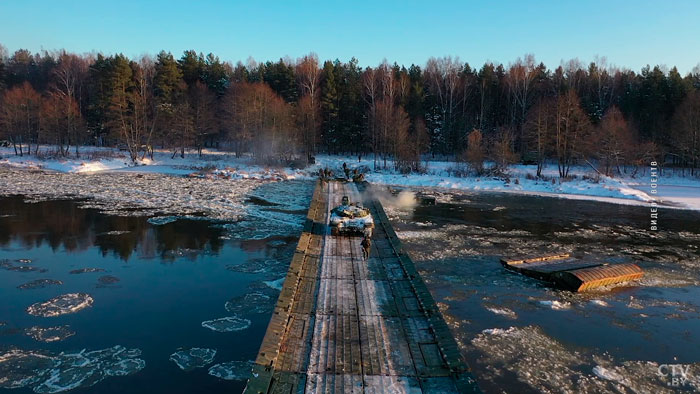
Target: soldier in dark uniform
x,y
366,245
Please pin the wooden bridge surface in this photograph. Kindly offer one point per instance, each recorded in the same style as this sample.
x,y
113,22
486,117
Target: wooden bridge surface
x,y
343,324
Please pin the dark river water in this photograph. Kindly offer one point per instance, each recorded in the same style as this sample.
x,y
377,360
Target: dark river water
x,y
519,335
157,281
154,286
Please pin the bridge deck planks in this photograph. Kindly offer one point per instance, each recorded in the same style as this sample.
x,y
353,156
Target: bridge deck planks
x,y
343,324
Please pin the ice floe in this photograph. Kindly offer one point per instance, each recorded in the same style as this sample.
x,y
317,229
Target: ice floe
x,y
107,280
49,334
275,284
116,232
86,270
254,302
189,359
61,305
48,373
503,312
39,284
161,220
18,266
254,266
169,196
607,374
227,324
546,365
22,368
232,370
556,305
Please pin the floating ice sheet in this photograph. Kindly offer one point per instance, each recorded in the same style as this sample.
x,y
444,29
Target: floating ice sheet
x,y
556,305
48,373
86,270
61,305
189,359
18,266
107,280
227,324
161,220
254,302
39,284
259,266
503,311
49,334
22,368
162,195
116,232
546,365
232,370
275,284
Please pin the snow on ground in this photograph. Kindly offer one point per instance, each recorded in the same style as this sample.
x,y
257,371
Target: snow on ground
x,y
673,191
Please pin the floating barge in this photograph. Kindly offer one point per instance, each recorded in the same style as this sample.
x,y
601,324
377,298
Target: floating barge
x,y
573,274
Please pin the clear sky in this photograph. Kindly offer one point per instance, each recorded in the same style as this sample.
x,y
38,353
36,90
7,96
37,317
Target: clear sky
x,y
630,34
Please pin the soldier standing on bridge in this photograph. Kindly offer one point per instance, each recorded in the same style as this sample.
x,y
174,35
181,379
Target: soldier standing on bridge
x,y
346,170
366,245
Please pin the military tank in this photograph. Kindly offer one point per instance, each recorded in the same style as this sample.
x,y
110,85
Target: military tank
x,y
350,219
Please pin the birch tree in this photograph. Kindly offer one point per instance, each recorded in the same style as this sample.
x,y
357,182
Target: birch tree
x,y
308,77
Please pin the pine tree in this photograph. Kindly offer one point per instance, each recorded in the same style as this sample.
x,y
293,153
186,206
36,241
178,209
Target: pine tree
x,y
281,78
192,67
168,79
216,75
329,106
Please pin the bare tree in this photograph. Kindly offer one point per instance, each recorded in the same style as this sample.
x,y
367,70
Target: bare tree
x,y
203,104
183,132
308,77
69,75
19,116
258,118
475,153
571,132
685,134
442,75
538,131
519,79
59,114
613,141
371,95
603,78
501,149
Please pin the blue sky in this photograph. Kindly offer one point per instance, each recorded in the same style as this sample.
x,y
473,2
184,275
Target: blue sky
x,y
630,34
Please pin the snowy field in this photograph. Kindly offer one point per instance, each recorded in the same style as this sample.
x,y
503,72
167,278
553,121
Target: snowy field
x,y
673,190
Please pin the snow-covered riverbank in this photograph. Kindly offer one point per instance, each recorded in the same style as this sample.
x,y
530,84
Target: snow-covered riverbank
x,y
672,190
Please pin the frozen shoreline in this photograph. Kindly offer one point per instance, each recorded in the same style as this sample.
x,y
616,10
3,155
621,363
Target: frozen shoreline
x,y
673,191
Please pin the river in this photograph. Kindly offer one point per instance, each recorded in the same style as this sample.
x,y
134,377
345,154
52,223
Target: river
x,y
142,292
518,334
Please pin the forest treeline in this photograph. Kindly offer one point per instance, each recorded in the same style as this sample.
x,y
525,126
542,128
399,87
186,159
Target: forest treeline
x,y
290,110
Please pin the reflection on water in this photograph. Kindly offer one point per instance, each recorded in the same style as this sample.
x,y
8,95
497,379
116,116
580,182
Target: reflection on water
x,y
520,335
63,225
133,293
